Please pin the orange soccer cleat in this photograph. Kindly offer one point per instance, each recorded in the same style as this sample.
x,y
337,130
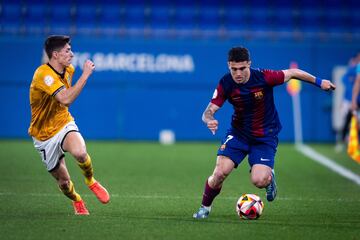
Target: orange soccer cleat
x,y
100,192
80,208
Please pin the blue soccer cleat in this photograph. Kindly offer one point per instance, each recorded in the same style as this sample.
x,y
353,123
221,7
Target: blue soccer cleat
x,y
202,213
271,188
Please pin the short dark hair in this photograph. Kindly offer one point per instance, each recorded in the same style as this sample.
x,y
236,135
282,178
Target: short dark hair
x,y
55,43
238,54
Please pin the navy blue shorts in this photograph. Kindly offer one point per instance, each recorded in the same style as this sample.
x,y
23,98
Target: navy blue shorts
x,y
259,150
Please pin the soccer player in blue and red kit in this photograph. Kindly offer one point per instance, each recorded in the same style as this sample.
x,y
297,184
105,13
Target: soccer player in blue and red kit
x,y
255,123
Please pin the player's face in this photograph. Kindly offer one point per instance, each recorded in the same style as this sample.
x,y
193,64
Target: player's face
x,y
240,71
65,55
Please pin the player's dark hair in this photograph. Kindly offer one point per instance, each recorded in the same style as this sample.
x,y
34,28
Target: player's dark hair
x,y
55,43
238,54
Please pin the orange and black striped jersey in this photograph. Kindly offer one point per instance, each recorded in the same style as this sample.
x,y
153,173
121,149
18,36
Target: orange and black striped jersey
x,y
48,116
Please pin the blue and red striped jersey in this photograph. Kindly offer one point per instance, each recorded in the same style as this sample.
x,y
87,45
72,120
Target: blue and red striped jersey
x,y
255,114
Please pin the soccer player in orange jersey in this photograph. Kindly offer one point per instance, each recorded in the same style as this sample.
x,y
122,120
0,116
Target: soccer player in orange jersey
x,y
53,128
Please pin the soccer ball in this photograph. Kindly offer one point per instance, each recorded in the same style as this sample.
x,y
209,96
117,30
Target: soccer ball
x,y
249,206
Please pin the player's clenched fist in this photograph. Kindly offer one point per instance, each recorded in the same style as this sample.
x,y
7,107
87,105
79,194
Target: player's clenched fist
x,y
213,125
327,85
88,68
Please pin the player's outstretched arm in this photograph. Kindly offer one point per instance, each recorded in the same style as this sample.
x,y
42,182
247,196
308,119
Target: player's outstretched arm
x,y
208,117
307,77
68,95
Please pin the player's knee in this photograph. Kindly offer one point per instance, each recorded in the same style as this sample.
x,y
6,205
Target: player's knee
x,y
260,181
80,155
64,184
219,177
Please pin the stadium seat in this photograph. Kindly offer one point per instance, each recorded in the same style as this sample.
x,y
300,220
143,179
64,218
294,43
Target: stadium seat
x,y
186,17
161,20
111,18
210,18
310,21
259,19
211,3
62,18
86,18
284,20
11,18
236,19
355,20
276,4
135,17
211,21
334,21
311,4
37,18
181,18
186,20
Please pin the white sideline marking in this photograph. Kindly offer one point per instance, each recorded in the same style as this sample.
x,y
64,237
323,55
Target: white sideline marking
x,y
174,197
327,162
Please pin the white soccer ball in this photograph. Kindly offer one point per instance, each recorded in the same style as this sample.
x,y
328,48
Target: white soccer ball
x,y
249,206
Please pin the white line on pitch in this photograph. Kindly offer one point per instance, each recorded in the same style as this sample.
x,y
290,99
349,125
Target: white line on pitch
x,y
228,198
327,162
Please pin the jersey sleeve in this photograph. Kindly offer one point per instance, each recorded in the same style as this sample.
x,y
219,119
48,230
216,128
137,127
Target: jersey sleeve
x,y
219,96
71,71
48,83
274,78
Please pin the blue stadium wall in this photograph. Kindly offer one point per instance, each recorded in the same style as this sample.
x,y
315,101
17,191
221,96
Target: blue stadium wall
x,y
144,86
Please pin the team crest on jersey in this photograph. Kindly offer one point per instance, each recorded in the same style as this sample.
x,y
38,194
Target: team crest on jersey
x,y
222,147
258,95
49,80
228,138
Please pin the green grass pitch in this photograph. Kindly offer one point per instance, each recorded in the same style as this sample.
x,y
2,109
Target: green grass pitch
x,y
155,190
